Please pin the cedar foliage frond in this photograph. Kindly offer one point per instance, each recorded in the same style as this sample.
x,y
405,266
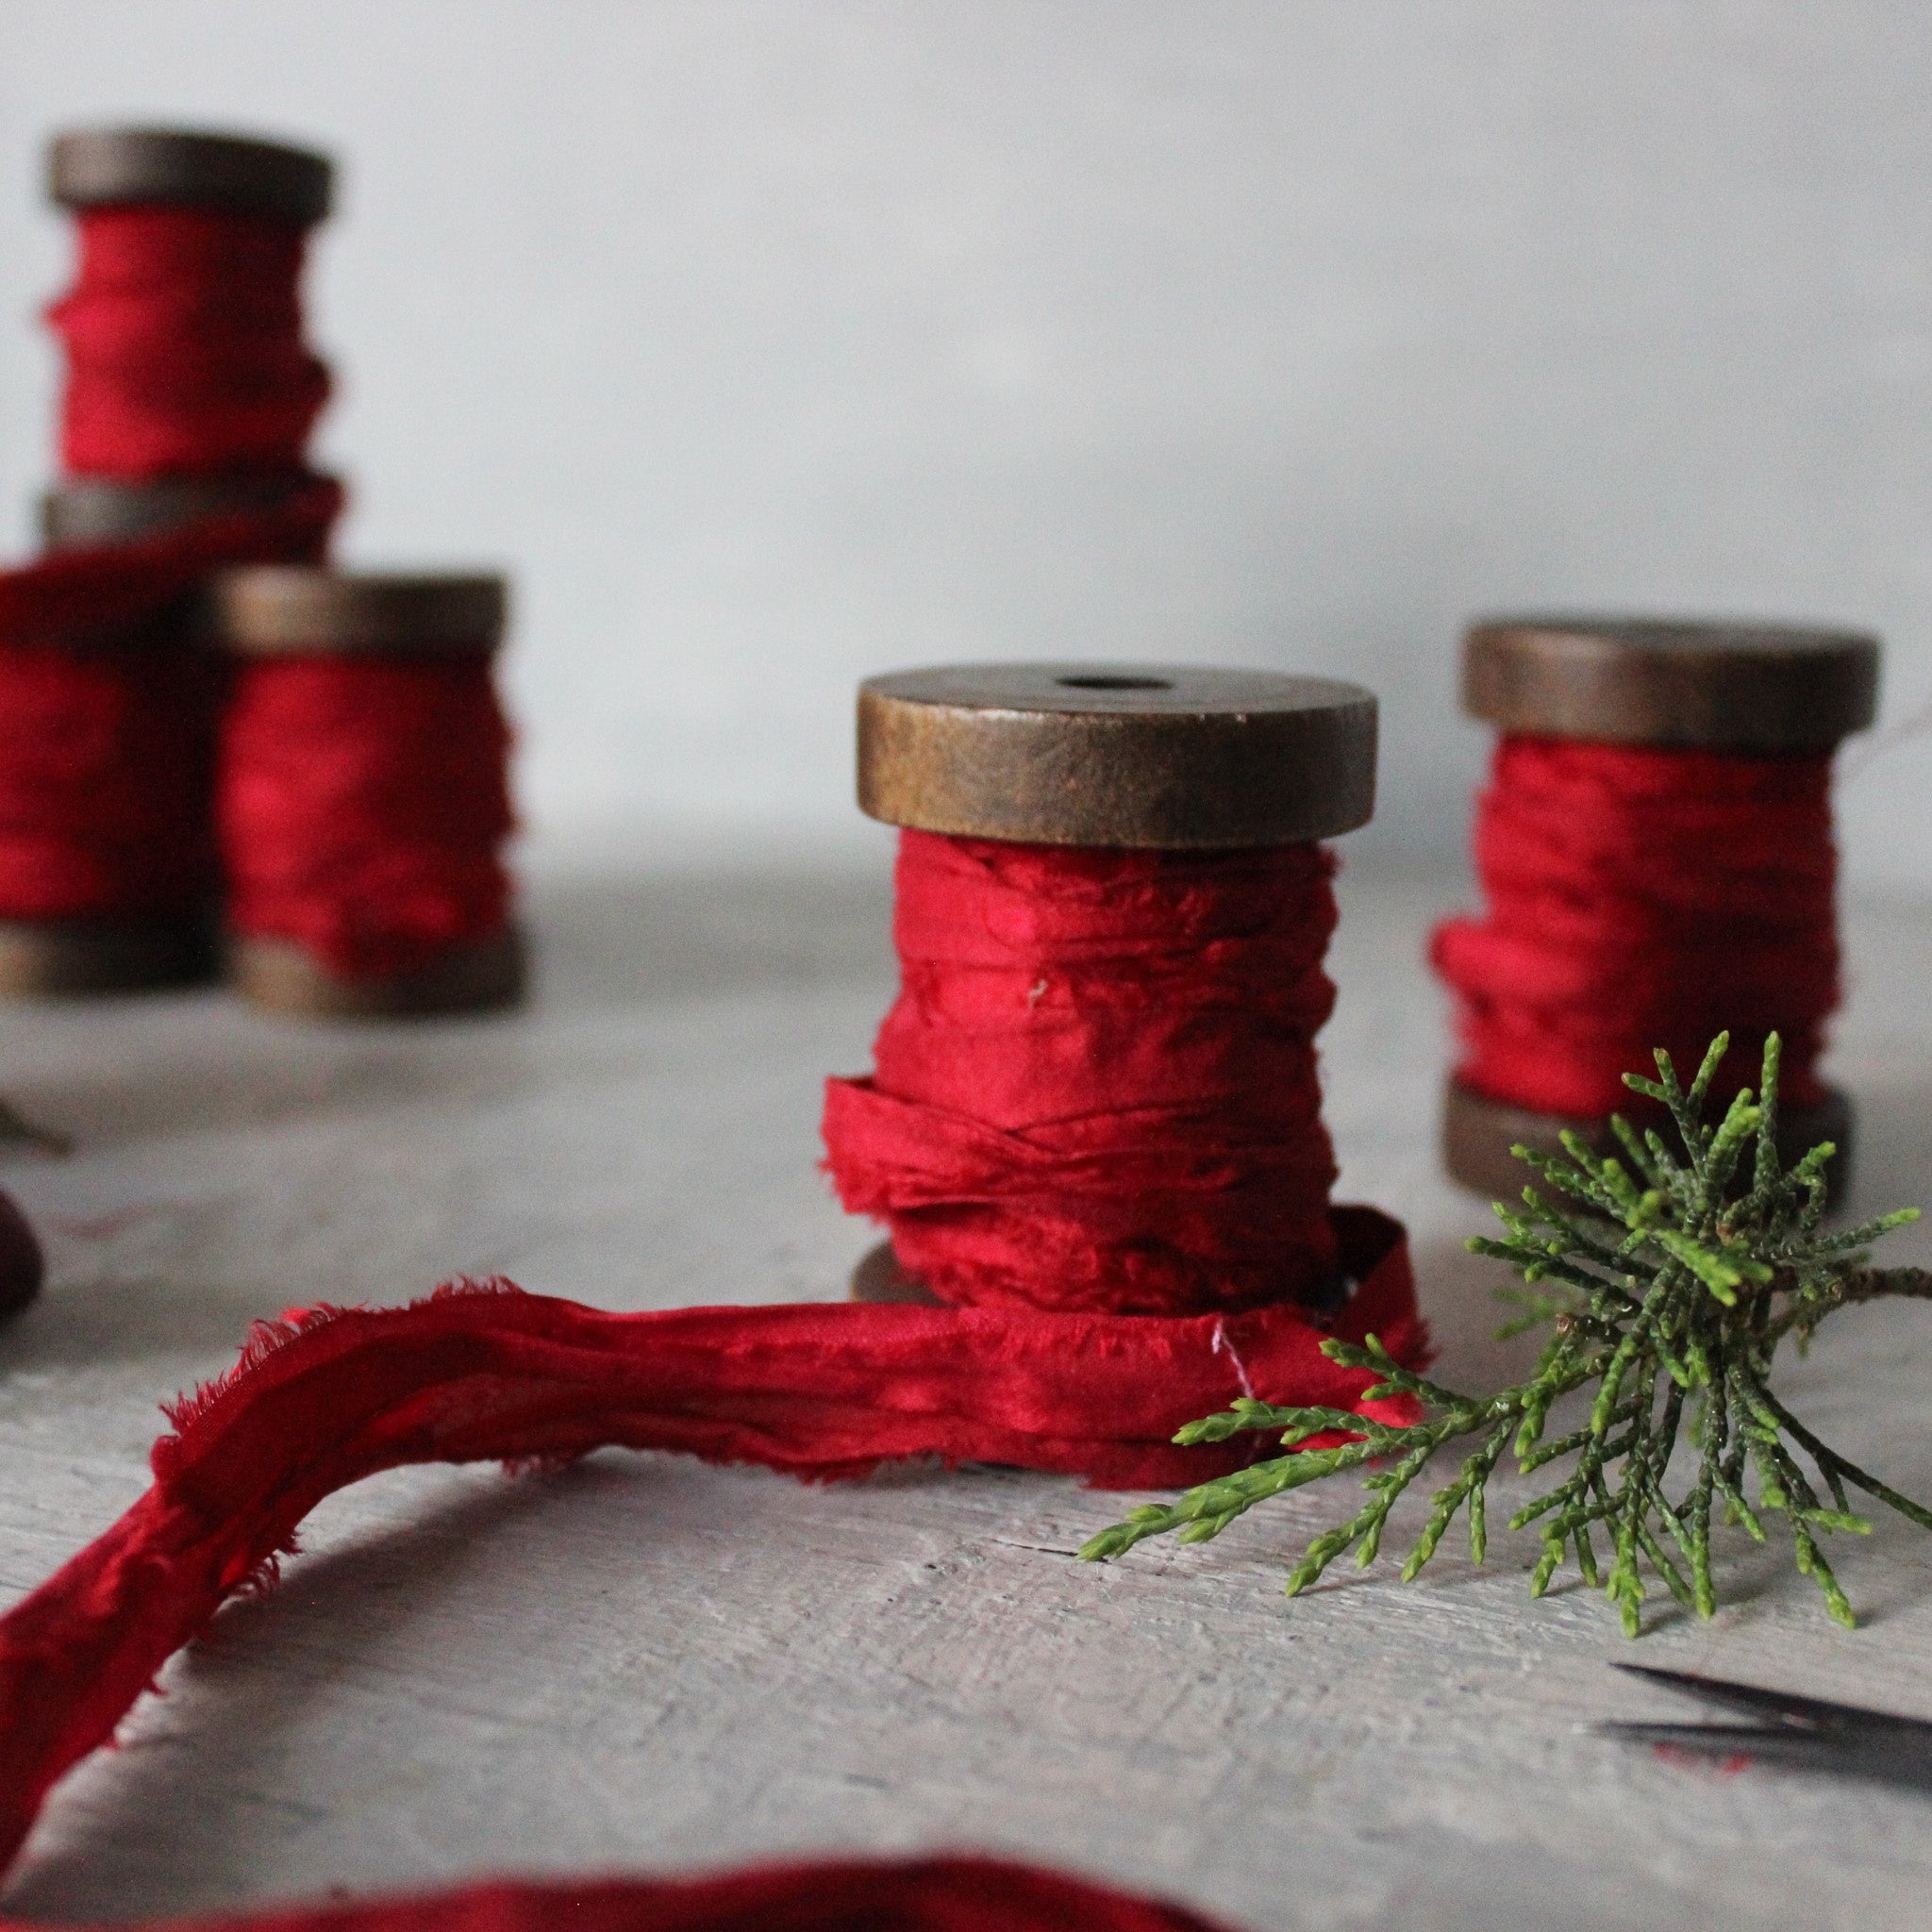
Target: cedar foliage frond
x,y
1669,1279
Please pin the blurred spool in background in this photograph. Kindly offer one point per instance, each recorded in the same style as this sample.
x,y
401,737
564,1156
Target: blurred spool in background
x,y
188,399
363,796
1656,852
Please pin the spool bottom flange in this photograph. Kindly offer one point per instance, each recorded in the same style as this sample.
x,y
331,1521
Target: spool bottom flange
x,y
46,959
878,1277
1478,1133
286,978
23,1267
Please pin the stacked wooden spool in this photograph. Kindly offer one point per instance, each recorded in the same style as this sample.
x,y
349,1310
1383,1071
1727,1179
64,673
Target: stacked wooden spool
x,y
115,168
196,349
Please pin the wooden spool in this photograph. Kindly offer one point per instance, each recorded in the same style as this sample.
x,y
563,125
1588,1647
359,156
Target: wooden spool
x,y
107,167
1749,689
271,610
1138,757
104,166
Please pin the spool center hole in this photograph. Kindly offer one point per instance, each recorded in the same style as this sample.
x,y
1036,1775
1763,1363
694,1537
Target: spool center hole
x,y
1116,683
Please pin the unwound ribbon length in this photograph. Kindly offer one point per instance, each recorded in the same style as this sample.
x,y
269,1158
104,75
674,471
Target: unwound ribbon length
x,y
326,1397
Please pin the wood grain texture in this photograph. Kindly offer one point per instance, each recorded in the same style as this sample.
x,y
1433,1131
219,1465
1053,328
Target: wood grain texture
x,y
284,977
878,1277
276,609
1716,686
52,958
97,167
1141,755
642,1664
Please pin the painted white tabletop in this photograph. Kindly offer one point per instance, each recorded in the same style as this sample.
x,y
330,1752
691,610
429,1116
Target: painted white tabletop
x,y
642,1664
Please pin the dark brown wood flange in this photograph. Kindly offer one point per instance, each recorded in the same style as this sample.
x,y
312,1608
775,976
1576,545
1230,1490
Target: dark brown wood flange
x,y
878,1277
273,609
23,1267
1139,755
286,978
1478,1133
1364,1236
52,958
1716,687
98,509
106,167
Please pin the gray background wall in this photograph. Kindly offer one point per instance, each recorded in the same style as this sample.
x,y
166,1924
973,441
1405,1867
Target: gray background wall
x,y
770,344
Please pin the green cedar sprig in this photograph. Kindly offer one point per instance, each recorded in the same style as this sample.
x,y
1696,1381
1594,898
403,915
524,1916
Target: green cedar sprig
x,y
1669,1279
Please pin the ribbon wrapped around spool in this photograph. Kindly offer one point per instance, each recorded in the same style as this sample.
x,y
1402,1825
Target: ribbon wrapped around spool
x,y
189,400
1654,850
364,793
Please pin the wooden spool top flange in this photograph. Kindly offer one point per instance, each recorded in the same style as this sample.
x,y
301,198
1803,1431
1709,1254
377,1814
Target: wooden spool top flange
x,y
1147,756
276,609
106,167
1712,687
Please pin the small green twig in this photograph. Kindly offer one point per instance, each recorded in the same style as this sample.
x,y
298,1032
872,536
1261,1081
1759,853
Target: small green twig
x,y
1668,1280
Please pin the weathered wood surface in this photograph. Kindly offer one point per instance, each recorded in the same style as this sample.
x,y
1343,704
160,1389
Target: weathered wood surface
x,y
644,1664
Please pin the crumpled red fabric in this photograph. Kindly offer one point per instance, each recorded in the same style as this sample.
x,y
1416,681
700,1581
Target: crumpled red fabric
x,y
326,1397
363,802
183,338
848,1895
1097,1088
1637,898
103,756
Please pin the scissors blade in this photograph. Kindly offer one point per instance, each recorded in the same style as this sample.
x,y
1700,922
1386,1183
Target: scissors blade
x,y
1815,1715
1884,1757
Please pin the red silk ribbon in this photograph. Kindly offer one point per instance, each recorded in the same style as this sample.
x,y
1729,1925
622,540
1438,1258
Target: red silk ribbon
x,y
1097,1088
103,756
363,801
95,595
183,335
106,715
1639,898
326,1397
851,1895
